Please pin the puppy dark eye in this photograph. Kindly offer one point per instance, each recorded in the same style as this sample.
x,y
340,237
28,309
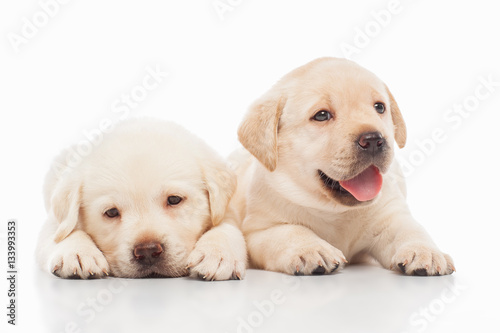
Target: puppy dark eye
x,y
322,116
173,200
379,107
112,213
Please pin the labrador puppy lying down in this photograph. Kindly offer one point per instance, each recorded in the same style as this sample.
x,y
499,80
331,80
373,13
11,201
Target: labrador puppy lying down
x,y
149,201
322,187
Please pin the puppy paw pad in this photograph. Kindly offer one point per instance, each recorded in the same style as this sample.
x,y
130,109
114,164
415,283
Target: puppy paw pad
x,y
320,270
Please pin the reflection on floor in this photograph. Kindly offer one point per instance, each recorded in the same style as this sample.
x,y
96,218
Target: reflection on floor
x,y
357,299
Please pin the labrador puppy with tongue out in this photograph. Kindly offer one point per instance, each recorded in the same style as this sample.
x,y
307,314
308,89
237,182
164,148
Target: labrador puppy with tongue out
x,y
322,187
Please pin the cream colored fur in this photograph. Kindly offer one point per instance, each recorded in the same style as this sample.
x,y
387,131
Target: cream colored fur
x,y
135,169
292,223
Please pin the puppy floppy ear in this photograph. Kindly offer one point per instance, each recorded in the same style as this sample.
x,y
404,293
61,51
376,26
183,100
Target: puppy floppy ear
x,y
220,182
397,119
258,132
65,204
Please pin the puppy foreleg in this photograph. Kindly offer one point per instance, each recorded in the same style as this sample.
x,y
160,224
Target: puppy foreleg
x,y
219,254
293,249
76,256
400,243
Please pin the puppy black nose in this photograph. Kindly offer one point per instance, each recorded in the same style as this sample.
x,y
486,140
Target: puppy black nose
x,y
148,253
371,142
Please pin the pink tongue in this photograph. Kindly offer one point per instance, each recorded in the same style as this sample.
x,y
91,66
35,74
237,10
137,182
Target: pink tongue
x,y
364,186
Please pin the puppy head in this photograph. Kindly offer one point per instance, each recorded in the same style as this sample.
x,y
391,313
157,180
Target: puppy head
x,y
327,128
145,196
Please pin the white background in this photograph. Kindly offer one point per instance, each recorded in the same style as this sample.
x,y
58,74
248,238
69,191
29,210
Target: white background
x,y
66,76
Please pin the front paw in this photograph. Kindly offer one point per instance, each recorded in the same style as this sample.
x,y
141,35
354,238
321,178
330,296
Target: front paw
x,y
315,258
220,254
422,260
74,261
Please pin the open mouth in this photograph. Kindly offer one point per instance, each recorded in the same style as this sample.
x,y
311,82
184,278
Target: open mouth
x,y
333,185
363,187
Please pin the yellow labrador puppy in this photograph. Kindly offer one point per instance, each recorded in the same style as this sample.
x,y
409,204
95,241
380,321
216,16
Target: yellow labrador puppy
x,y
149,201
322,187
